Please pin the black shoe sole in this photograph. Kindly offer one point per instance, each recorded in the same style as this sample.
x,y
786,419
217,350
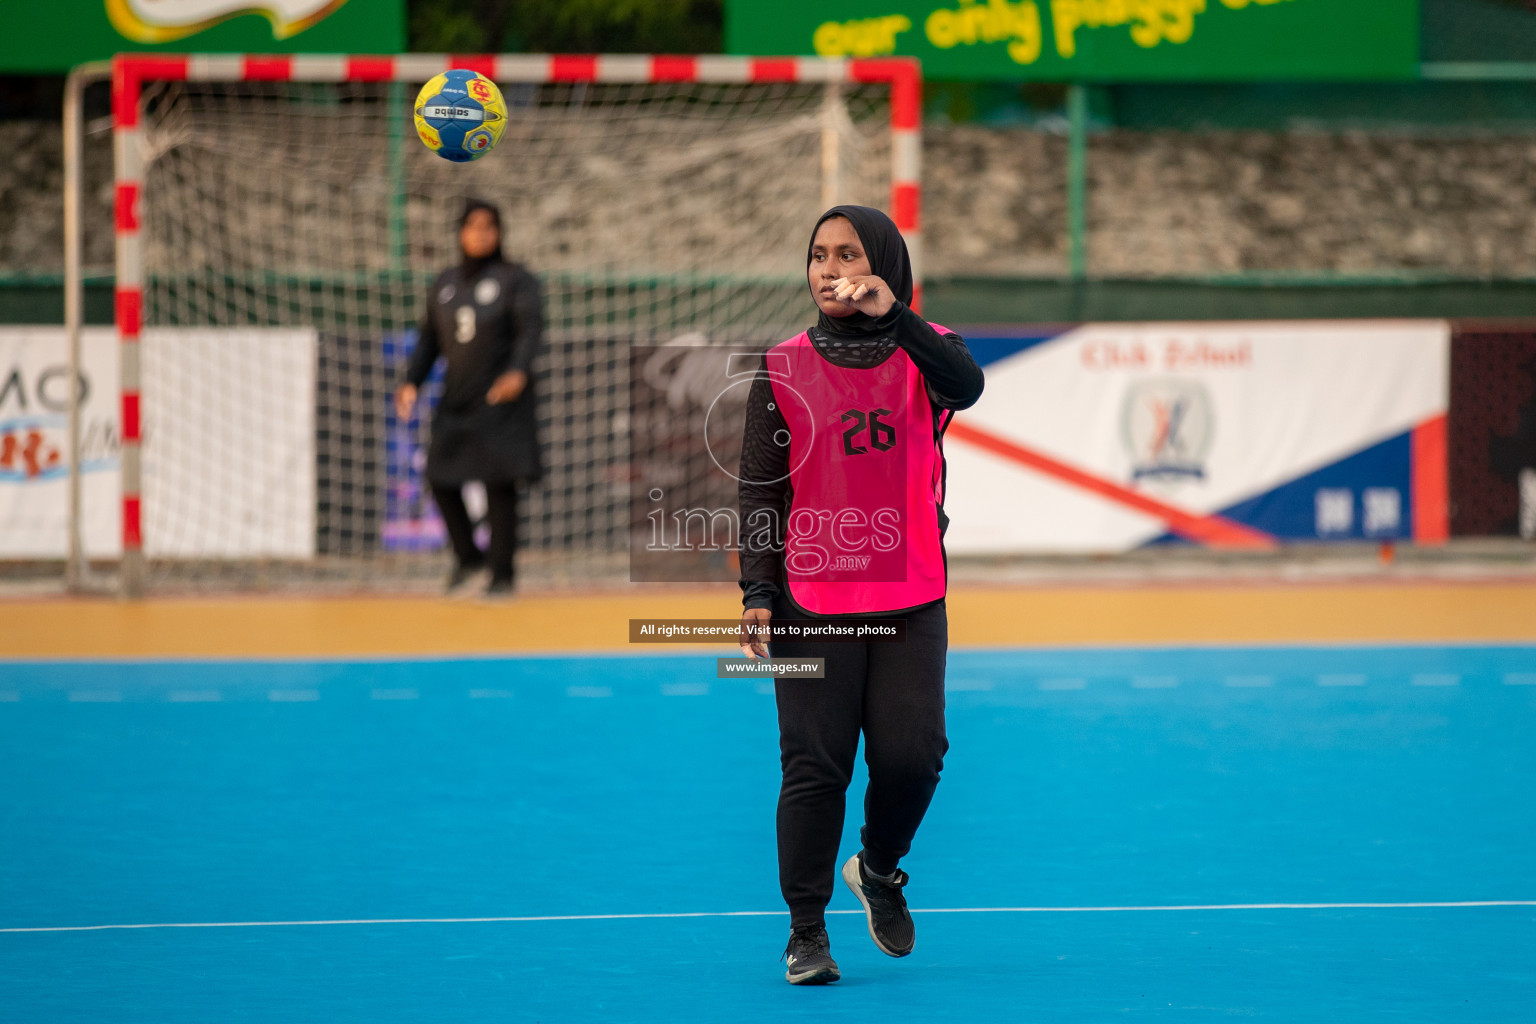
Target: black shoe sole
x,y
467,588
851,878
822,976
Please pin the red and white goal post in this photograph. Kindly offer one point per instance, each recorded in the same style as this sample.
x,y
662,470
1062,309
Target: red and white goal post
x,y
220,164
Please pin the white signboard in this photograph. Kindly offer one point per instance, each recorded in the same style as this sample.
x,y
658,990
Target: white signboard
x,y
1110,436
229,443
34,443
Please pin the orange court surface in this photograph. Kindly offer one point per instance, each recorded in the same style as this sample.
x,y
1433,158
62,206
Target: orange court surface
x,y
1422,611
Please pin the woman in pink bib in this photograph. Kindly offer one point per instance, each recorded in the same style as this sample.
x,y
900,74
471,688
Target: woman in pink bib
x,y
842,516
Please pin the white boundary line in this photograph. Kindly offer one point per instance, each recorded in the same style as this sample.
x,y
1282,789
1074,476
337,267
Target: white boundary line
x,y
774,913
708,650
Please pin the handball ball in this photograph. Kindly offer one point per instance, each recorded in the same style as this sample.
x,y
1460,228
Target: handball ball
x,y
460,115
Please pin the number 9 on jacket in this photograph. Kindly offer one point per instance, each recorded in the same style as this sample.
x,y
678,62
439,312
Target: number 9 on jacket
x,y
460,115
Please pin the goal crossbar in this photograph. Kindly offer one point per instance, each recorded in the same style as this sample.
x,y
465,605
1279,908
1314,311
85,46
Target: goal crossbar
x,y
132,72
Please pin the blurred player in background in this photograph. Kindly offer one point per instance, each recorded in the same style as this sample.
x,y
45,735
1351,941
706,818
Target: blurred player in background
x,y
844,451
485,317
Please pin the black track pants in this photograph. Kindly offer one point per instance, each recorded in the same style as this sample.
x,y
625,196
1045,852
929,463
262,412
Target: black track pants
x,y
894,694
500,511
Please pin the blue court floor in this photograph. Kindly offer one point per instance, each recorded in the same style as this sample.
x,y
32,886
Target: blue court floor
x,y
592,804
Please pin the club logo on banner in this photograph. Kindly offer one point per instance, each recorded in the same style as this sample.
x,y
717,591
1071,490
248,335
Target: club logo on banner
x,y
1244,435
165,21
1167,426
31,445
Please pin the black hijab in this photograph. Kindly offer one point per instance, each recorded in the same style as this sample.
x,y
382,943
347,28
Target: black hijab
x,y
473,266
888,260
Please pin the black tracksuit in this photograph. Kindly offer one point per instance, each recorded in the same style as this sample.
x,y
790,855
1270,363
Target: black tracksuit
x,y
892,693
484,318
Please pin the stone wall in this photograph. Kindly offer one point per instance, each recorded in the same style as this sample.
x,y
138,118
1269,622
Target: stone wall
x,y
32,198
1225,202
995,203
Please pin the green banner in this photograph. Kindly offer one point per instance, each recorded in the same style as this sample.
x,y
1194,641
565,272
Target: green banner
x,y
1096,40
40,36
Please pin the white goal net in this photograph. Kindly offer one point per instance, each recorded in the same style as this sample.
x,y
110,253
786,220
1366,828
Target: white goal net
x,y
286,233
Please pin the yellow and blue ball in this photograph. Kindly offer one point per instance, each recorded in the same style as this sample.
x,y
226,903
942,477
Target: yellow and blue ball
x,y
460,115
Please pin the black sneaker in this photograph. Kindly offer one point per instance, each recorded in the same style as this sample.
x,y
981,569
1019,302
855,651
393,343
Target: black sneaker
x,y
884,906
462,580
498,591
809,956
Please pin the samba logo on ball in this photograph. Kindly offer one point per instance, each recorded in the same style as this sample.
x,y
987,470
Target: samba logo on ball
x,y
460,115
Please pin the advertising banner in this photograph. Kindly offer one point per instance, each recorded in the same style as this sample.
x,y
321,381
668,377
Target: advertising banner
x,y
411,519
34,443
229,443
1097,40
41,36
1109,437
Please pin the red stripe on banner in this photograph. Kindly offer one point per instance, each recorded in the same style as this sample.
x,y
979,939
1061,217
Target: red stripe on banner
x,y
370,69
1214,531
774,69
1431,484
564,67
480,63
674,69
125,207
129,306
276,68
131,416
906,206
133,530
917,296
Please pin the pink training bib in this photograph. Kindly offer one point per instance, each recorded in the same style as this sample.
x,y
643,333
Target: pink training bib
x,y
866,474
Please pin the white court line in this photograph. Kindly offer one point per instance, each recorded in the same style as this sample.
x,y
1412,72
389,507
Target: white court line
x,y
194,696
1435,679
289,696
406,693
1154,682
968,685
664,651
777,913
1242,682
1063,684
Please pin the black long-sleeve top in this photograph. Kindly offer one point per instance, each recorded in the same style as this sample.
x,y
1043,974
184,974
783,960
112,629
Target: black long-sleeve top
x,y
485,321
953,381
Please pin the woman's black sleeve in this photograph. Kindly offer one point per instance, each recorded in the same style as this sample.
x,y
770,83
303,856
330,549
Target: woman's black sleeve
x,y
954,379
527,322
424,355
763,495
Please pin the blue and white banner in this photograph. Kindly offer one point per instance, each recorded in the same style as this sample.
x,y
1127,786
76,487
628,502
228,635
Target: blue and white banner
x,y
1109,437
